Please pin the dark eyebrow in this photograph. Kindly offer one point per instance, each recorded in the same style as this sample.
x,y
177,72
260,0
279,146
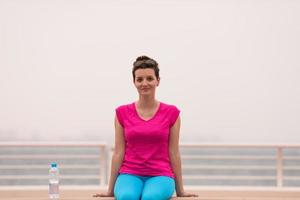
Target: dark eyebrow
x,y
150,76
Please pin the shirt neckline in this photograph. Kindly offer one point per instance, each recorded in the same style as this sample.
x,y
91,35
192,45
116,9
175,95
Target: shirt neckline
x,y
151,118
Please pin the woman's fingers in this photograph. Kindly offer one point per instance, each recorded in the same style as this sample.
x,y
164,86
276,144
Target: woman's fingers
x,y
189,195
102,195
99,195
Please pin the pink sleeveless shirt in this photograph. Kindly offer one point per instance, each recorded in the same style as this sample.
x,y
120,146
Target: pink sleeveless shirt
x,y
147,141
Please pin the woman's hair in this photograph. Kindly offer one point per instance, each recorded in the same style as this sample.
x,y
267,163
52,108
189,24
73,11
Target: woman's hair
x,y
144,62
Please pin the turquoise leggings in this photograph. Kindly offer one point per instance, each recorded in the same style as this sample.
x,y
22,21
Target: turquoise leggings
x,y
132,187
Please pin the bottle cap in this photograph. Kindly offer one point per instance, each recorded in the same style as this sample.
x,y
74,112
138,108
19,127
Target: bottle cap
x,y
53,165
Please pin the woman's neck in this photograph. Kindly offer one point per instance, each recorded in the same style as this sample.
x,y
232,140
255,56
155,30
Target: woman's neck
x,y
144,102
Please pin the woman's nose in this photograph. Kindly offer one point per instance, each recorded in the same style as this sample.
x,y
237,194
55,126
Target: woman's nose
x,y
144,82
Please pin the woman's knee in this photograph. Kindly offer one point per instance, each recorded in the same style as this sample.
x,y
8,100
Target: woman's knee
x,y
128,187
153,196
127,196
158,188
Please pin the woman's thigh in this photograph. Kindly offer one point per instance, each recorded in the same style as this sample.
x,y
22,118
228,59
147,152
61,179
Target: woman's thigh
x,y
158,188
128,187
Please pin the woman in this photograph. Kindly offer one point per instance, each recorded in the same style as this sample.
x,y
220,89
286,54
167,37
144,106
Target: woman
x,y
146,161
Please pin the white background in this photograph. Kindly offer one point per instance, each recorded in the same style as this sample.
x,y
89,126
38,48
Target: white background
x,y
231,66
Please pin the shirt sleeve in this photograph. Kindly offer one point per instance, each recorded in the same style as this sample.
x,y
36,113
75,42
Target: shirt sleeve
x,y
119,115
174,115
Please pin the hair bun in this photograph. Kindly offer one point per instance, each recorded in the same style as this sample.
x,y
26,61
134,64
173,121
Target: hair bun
x,y
143,58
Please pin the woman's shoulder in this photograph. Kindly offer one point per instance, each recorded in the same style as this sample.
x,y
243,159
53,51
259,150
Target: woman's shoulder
x,y
167,106
171,111
124,107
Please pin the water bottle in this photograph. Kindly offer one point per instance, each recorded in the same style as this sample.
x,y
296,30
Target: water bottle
x,y
53,182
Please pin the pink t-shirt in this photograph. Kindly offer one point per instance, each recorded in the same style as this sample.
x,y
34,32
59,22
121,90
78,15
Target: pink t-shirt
x,y
147,141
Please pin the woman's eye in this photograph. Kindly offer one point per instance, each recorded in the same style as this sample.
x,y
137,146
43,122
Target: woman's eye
x,y
139,80
150,79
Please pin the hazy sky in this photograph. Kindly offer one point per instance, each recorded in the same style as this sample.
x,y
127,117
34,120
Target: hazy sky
x,y
231,66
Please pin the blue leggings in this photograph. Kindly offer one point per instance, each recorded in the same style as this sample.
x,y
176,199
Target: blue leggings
x,y
132,187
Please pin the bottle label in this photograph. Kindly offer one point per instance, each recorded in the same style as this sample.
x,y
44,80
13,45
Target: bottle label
x,y
53,188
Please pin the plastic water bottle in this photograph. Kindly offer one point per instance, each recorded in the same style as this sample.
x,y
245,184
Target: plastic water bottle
x,y
53,182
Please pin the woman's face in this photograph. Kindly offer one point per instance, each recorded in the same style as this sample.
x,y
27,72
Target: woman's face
x,y
145,81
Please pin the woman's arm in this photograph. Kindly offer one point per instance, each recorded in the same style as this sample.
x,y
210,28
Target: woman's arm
x,y
117,159
175,159
118,155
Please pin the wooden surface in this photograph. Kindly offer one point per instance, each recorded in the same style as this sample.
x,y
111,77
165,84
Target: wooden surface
x,y
218,194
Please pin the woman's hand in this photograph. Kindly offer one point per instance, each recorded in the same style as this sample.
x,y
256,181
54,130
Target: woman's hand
x,y
185,194
105,194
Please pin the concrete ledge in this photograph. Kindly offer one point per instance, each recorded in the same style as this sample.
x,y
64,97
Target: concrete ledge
x,y
204,194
